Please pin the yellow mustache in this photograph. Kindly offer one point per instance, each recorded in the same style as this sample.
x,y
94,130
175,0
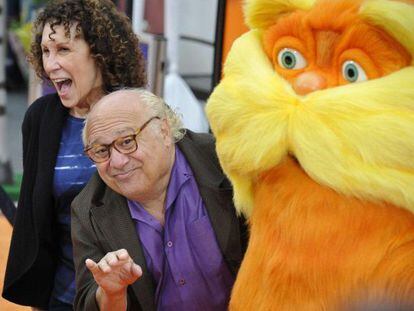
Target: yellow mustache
x,y
357,139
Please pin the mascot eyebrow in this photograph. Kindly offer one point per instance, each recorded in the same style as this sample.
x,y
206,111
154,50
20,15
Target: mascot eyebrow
x,y
394,16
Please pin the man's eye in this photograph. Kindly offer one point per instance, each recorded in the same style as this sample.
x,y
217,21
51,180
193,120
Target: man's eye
x,y
100,151
127,141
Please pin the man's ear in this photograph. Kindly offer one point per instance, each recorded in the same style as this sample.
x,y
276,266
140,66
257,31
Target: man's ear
x,y
165,130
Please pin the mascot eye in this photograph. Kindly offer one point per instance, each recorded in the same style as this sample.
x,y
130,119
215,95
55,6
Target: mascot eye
x,y
353,72
291,59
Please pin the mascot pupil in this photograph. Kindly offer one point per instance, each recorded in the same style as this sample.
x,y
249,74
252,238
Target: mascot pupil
x,y
314,121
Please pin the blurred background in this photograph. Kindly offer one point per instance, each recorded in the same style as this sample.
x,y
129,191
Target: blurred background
x,y
184,41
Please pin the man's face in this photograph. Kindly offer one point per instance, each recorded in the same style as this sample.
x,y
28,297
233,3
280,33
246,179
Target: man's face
x,y
142,174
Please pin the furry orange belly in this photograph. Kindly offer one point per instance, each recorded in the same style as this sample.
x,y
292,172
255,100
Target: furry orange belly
x,y
311,248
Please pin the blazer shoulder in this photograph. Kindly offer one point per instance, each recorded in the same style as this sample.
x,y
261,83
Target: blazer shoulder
x,y
202,139
91,193
200,152
204,142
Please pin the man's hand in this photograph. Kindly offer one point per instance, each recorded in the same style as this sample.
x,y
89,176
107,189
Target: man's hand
x,y
113,273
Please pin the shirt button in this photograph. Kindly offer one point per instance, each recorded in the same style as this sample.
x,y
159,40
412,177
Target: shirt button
x,y
169,244
181,281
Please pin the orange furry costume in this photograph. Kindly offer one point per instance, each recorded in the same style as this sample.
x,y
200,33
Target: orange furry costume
x,y
314,121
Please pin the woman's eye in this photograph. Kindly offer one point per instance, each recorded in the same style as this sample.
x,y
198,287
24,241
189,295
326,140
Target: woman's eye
x,y
63,49
353,72
291,59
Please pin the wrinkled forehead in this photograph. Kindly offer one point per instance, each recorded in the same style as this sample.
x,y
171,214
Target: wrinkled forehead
x,y
114,117
103,130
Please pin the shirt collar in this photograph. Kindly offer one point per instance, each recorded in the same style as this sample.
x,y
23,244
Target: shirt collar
x,y
180,174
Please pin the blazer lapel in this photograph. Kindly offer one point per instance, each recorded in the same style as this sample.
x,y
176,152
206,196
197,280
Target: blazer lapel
x,y
115,222
217,195
224,223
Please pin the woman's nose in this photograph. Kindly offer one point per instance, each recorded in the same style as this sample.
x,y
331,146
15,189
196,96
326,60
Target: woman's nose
x,y
50,63
308,82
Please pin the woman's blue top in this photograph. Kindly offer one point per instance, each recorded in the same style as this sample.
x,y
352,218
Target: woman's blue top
x,y
72,171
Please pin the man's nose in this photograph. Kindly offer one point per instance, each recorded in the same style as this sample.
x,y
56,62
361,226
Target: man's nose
x,y
308,82
118,159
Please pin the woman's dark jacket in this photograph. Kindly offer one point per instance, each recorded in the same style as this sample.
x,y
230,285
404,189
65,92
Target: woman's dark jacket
x,y
32,258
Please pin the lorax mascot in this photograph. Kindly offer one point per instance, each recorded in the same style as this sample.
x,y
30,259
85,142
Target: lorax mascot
x,y
314,121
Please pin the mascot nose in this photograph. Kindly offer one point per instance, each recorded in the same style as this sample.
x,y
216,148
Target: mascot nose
x,y
308,82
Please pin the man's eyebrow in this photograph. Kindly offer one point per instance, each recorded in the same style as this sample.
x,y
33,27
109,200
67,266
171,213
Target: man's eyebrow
x,y
116,134
122,131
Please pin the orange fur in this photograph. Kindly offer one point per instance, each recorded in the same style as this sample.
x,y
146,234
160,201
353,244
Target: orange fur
x,y
325,40
314,249
310,247
329,34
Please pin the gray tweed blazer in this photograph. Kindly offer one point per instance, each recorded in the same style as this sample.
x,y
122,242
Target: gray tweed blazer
x,y
101,223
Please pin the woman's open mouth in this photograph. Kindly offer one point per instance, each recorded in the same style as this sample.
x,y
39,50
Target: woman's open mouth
x,y
62,86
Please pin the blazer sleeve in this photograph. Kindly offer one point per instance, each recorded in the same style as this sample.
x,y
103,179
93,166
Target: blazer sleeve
x,y
86,245
83,247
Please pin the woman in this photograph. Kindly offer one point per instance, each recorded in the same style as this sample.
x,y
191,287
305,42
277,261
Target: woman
x,y
85,49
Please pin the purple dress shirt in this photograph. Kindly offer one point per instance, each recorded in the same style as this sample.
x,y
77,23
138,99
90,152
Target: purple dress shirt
x,y
183,256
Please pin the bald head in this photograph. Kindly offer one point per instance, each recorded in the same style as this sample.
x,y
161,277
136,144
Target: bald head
x,y
116,108
130,105
128,135
129,98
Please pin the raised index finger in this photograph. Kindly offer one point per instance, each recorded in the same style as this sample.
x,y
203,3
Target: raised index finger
x,y
122,254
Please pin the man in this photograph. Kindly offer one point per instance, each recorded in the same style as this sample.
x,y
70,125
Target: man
x,y
157,228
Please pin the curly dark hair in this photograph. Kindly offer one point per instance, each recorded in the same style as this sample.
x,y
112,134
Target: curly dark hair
x,y
109,34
